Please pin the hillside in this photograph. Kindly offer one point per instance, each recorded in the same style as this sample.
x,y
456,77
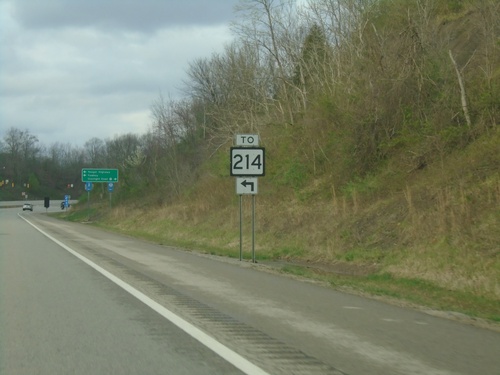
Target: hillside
x,y
441,227
382,154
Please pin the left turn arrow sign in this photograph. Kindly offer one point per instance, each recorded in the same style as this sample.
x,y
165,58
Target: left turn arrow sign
x,y
246,185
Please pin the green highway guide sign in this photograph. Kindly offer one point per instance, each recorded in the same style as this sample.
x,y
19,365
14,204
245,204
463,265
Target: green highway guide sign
x,y
99,175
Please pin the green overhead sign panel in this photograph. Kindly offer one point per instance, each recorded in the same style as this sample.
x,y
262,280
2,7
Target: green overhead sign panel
x,y
99,175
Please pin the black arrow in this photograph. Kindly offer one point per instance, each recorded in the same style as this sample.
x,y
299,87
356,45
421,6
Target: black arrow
x,y
245,183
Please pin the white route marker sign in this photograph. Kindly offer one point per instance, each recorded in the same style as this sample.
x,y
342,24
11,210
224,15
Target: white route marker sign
x,y
246,161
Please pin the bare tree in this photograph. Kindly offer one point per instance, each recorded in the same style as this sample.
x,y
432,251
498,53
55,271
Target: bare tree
x,y
167,134
22,149
120,148
272,26
463,94
95,149
233,89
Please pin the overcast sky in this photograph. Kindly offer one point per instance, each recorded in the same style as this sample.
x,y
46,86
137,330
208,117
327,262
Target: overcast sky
x,y
71,70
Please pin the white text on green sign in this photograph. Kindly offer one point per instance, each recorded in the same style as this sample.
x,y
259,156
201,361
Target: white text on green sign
x,y
99,175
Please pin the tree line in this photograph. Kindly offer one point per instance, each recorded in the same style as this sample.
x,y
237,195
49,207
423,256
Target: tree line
x,y
28,167
338,86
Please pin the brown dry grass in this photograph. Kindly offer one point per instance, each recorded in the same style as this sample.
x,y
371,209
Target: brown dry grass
x,y
439,225
429,234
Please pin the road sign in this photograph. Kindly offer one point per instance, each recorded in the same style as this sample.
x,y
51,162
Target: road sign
x,y
111,187
248,140
247,161
99,175
65,203
88,186
246,185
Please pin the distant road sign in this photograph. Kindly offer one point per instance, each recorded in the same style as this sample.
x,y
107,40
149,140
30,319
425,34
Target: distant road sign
x,y
246,161
88,186
111,187
65,203
99,175
246,185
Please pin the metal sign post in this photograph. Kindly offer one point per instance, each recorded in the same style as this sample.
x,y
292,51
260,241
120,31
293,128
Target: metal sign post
x,y
111,187
88,187
241,227
247,163
253,228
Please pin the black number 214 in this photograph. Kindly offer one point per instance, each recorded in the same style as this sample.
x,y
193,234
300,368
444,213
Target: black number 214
x,y
245,162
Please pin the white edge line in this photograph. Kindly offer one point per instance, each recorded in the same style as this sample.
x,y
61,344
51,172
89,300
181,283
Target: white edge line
x,y
220,349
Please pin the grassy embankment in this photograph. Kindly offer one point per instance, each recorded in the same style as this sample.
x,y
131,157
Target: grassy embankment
x,y
382,185
431,239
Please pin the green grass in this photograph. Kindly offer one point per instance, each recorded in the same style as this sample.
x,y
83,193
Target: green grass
x,y
82,215
296,270
413,291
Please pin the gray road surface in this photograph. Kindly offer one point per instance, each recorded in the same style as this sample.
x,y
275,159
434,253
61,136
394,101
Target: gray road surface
x,y
58,316
282,325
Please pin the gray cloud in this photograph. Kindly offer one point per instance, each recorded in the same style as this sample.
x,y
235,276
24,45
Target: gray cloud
x,y
143,15
71,70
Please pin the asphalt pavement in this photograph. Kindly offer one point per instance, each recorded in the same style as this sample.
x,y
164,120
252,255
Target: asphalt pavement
x,y
279,324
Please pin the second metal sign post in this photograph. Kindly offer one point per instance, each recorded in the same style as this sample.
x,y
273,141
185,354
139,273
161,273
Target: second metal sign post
x,y
247,163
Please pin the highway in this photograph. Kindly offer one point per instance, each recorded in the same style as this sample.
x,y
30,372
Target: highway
x,y
76,299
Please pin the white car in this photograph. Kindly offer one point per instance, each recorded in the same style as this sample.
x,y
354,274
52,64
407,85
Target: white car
x,y
27,206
